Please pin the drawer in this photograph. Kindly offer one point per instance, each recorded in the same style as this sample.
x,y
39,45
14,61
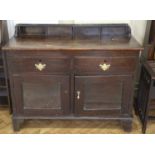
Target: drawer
x,y
39,64
102,65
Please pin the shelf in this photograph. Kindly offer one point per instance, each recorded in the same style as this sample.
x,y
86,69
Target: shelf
x,y
2,82
2,75
3,101
3,92
3,87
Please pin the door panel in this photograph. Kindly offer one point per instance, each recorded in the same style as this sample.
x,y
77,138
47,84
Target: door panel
x,y
42,95
96,93
47,96
102,95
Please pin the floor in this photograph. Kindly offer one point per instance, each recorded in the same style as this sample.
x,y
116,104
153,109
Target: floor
x,y
69,127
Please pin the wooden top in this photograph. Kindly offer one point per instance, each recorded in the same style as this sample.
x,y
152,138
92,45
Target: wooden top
x,y
72,37
52,44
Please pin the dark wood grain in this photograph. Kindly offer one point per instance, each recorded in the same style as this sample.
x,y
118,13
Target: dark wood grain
x,y
50,105
91,64
22,63
71,45
72,65
74,31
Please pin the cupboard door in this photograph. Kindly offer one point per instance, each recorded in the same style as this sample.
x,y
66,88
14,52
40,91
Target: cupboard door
x,y
103,95
41,95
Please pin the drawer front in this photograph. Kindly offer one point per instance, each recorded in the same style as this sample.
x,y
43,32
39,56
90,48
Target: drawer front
x,y
39,64
103,65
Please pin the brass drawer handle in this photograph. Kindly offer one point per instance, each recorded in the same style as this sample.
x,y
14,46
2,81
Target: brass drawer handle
x,y
78,95
40,66
104,66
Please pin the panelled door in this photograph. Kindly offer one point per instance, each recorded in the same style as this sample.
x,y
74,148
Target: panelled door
x,y
43,95
103,95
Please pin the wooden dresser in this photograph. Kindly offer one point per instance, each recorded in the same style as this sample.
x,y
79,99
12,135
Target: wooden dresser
x,y
72,72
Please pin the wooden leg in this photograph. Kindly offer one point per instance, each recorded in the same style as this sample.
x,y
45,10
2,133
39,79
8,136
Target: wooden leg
x,y
144,121
127,125
144,124
17,124
136,111
144,128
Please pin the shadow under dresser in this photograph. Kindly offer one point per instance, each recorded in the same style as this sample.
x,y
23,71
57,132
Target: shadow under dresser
x,y
72,72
